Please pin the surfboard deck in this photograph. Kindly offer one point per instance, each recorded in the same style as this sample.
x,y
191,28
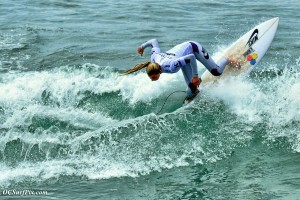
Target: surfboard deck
x,y
249,49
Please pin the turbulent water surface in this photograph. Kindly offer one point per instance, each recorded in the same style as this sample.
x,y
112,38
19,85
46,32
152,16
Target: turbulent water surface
x,y
71,126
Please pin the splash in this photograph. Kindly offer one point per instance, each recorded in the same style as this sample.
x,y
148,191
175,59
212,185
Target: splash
x,y
269,97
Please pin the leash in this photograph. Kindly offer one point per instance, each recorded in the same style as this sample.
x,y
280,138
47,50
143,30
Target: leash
x,y
167,99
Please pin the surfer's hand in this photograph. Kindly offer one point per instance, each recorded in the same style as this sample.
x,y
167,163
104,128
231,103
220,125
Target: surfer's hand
x,y
196,81
140,50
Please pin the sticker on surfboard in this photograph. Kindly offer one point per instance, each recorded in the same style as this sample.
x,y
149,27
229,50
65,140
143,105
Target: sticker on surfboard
x,y
252,58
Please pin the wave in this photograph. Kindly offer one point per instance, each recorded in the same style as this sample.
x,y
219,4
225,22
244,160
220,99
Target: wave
x,y
88,121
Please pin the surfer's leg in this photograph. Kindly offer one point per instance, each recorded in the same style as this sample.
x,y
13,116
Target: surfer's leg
x,y
202,55
191,90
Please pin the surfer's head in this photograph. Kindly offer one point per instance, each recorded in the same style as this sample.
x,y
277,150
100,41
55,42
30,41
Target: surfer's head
x,y
153,70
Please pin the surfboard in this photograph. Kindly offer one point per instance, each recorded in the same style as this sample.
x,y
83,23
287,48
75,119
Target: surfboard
x,y
249,49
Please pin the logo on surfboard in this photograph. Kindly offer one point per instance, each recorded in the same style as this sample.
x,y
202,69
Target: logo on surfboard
x,y
253,38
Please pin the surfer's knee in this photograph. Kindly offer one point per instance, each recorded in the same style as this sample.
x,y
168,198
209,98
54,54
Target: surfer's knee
x,y
195,47
215,72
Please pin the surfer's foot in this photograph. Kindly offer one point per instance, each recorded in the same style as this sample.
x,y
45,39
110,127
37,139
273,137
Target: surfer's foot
x,y
190,98
233,62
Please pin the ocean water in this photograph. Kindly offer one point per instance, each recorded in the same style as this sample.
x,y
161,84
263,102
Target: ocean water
x,y
72,127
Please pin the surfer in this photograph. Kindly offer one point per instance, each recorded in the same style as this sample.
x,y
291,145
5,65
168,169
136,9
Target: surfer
x,y
183,56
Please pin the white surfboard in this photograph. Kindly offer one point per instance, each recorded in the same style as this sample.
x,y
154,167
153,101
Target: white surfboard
x,y
248,49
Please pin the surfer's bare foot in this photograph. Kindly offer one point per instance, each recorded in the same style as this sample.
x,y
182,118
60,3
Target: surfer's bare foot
x,y
233,62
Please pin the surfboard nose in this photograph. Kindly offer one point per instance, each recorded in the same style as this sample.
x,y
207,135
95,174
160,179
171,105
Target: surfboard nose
x,y
275,20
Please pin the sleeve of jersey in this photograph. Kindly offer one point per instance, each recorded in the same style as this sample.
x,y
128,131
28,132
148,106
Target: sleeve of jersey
x,y
152,43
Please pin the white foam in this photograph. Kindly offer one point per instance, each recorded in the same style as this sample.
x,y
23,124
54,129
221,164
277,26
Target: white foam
x,y
76,117
93,167
242,96
65,86
140,88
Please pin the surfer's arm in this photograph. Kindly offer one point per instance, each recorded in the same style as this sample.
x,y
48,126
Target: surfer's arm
x,y
153,43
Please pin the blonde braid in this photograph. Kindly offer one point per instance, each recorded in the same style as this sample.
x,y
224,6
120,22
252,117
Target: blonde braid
x,y
136,68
